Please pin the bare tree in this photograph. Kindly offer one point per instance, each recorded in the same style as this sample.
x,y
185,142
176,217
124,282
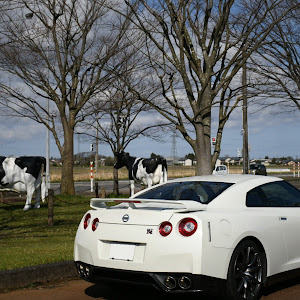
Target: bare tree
x,y
277,63
196,50
119,118
62,55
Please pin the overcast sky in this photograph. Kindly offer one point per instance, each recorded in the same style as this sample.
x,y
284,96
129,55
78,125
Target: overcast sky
x,y
275,135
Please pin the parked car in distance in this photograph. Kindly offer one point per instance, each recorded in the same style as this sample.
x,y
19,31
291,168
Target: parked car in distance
x,y
220,170
258,169
230,234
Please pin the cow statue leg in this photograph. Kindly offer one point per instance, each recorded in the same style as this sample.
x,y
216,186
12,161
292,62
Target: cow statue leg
x,y
30,191
44,191
40,190
131,187
27,206
28,202
149,181
37,197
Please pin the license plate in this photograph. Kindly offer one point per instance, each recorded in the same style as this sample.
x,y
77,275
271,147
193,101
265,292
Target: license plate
x,y
122,251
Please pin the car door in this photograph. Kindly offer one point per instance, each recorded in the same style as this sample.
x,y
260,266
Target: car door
x,y
285,200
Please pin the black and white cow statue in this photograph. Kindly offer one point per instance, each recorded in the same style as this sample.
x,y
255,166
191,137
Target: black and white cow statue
x,y
24,174
148,171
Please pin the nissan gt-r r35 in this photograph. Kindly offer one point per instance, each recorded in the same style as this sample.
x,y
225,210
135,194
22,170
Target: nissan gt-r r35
x,y
231,234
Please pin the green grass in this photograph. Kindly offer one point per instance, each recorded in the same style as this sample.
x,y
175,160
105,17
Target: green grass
x,y
27,240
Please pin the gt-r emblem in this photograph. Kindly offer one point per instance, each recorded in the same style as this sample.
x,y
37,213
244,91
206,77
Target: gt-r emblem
x,y
125,218
149,231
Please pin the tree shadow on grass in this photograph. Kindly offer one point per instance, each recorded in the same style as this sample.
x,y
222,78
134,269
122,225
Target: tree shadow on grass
x,y
12,205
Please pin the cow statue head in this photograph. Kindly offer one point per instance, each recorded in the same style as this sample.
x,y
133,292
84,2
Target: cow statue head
x,y
122,157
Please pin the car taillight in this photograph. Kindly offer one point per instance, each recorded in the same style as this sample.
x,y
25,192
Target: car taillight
x,y
87,221
165,228
187,226
95,224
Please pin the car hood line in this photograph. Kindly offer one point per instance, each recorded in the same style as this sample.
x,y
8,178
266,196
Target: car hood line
x,y
137,203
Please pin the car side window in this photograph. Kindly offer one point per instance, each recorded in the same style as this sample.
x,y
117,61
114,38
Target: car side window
x,y
189,194
256,198
274,194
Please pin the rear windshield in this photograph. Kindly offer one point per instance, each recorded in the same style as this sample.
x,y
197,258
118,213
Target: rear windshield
x,y
200,191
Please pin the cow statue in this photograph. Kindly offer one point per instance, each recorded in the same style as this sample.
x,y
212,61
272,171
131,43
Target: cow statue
x,y
148,171
24,174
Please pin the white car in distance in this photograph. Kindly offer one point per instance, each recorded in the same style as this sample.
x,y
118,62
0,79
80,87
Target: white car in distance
x,y
233,234
220,170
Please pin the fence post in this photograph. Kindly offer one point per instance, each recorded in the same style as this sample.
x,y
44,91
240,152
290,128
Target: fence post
x,y
294,169
92,179
50,207
103,193
97,189
2,197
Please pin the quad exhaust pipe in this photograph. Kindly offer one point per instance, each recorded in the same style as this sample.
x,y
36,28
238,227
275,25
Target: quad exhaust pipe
x,y
83,270
184,282
170,283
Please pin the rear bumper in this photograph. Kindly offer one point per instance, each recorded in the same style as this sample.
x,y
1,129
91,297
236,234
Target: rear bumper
x,y
167,282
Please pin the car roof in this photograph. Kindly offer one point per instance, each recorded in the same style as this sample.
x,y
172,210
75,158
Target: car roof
x,y
230,178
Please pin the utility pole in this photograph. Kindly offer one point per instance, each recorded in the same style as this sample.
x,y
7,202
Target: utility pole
x,y
245,122
174,150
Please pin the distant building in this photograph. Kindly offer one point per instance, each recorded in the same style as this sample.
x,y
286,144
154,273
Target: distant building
x,y
188,162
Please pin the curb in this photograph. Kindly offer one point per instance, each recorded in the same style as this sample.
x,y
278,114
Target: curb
x,y
20,278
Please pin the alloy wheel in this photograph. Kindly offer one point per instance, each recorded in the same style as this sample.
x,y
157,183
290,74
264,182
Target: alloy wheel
x,y
247,272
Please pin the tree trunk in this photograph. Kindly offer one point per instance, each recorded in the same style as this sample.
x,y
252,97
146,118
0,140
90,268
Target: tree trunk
x,y
202,126
202,150
67,180
217,148
203,158
116,182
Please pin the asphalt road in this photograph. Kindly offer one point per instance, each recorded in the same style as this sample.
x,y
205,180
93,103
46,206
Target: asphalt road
x,y
81,290
85,186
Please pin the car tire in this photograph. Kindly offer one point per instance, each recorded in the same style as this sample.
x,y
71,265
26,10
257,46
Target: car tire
x,y
246,272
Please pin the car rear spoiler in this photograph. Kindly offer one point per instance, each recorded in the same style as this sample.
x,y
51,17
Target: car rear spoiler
x,y
178,205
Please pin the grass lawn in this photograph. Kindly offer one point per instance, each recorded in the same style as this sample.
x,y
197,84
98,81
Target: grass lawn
x,y
26,239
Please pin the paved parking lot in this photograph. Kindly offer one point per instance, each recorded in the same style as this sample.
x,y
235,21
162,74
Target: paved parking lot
x,y
81,290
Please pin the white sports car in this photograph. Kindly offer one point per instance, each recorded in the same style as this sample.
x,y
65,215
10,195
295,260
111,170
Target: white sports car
x,y
224,233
